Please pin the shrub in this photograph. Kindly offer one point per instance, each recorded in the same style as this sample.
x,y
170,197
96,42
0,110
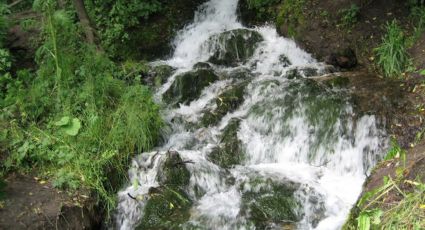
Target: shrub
x,y
75,119
291,15
349,16
393,58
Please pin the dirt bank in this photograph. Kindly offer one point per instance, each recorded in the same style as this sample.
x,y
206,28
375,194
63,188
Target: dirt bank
x,y
32,203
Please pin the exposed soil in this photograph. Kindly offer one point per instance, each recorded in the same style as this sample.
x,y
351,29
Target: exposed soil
x,y
32,203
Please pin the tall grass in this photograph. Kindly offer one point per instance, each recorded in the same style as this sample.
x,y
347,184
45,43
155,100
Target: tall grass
x,y
74,120
392,56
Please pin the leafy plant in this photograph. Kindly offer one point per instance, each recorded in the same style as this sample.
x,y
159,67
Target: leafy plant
x,y
115,19
77,119
291,15
349,16
393,58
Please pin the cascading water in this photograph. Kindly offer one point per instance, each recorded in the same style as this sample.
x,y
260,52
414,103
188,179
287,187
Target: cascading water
x,y
291,153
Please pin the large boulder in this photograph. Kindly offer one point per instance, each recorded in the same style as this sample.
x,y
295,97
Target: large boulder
x,y
188,86
233,47
230,150
268,203
158,75
168,205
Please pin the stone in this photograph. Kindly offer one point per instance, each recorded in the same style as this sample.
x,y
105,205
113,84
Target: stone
x,y
345,59
233,47
230,151
188,86
226,102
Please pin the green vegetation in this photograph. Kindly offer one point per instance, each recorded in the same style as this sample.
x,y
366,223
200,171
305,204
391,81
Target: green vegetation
x,y
399,203
116,18
393,58
291,15
80,117
349,16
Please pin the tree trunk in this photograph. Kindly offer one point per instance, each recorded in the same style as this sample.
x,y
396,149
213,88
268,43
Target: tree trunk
x,y
85,21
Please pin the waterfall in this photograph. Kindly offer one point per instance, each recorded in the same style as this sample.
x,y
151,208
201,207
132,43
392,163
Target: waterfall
x,y
300,150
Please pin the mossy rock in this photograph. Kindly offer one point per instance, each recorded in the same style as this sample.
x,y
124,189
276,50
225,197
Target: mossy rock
x,y
240,74
234,47
321,107
167,209
158,75
168,205
188,86
269,203
226,102
202,65
230,151
174,172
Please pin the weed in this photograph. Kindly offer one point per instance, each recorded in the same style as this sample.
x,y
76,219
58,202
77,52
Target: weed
x,y
291,15
393,58
77,119
349,16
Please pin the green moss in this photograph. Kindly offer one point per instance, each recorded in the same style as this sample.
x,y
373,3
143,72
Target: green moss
x,y
291,15
158,75
230,150
168,206
226,102
174,172
188,86
167,209
235,46
269,202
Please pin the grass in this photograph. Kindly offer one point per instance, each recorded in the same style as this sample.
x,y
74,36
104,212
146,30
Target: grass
x,y
80,118
392,56
398,204
349,16
291,15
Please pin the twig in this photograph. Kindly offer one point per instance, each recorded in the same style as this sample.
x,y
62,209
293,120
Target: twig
x,y
14,3
132,197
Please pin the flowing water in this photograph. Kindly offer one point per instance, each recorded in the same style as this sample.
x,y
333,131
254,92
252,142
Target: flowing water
x,y
297,138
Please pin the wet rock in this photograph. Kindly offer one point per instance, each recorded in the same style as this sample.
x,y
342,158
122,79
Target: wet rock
x,y
168,205
233,47
293,74
226,102
270,204
229,152
188,86
158,75
166,210
284,60
174,171
345,59
202,65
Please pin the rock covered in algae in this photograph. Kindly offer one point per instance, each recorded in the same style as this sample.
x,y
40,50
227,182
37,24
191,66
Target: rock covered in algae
x,y
168,205
233,47
230,151
188,86
269,203
226,102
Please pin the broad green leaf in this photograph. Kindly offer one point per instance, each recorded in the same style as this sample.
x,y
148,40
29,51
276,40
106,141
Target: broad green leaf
x,y
73,128
363,221
422,72
63,121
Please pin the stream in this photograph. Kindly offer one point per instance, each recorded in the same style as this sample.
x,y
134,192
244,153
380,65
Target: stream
x,y
253,141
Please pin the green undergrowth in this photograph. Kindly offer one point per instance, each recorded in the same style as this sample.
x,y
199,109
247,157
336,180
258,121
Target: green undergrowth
x,y
291,14
399,203
392,54
79,118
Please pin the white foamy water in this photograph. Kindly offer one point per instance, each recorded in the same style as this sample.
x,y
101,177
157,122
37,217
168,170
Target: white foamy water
x,y
291,133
